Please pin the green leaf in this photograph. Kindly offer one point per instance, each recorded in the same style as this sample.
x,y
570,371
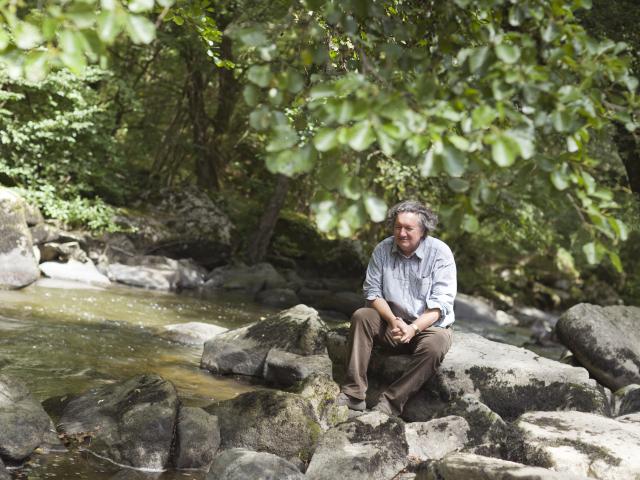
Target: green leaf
x,y
615,261
430,165
504,151
388,144
566,263
260,119
561,121
559,179
326,139
293,161
260,75
322,91
72,52
252,37
139,6
592,253
26,36
250,94
165,3
36,66
508,53
470,223
283,136
109,26
458,185
361,136
483,116
620,228
140,29
4,39
325,215
355,216
376,208
454,161
477,58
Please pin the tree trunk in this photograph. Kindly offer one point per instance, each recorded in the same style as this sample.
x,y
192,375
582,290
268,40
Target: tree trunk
x,y
259,243
629,150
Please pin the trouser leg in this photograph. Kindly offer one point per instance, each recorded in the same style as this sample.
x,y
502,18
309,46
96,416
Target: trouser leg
x,y
428,350
366,326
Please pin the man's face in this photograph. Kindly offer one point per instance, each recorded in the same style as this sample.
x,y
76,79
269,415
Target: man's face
x,y
407,232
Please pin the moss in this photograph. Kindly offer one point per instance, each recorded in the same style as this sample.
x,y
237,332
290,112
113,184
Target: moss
x,y
514,447
594,452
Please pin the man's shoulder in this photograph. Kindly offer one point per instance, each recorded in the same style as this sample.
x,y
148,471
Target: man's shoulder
x,y
440,247
383,248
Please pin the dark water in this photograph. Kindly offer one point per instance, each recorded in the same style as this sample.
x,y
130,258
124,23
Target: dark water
x,y
62,339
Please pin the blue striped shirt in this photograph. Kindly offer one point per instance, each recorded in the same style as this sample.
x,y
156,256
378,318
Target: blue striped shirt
x,y
410,285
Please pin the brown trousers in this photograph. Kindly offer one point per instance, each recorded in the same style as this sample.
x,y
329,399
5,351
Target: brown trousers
x,y
427,349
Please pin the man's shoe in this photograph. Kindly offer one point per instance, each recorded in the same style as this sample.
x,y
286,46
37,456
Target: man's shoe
x,y
350,402
384,406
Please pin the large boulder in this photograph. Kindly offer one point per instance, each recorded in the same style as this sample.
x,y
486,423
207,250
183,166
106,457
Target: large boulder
x,y
434,439
277,422
155,272
509,380
4,475
197,439
74,271
131,422
24,425
18,264
243,464
581,443
369,447
629,397
298,331
466,466
62,252
605,340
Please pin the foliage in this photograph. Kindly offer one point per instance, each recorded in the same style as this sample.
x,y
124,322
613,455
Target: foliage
x,y
477,93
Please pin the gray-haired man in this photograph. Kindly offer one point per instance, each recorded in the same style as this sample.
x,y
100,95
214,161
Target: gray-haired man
x,y
410,287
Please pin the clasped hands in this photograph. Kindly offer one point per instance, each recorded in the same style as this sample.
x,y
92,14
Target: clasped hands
x,y
401,331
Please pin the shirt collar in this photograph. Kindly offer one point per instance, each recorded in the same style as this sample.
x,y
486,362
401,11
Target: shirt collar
x,y
419,252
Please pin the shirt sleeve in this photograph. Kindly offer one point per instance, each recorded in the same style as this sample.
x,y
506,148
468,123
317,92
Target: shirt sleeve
x,y
372,286
444,285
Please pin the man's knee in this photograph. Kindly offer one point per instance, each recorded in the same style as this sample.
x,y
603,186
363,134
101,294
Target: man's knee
x,y
364,315
435,345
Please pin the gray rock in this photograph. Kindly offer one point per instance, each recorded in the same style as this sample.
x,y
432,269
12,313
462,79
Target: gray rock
x,y
507,379
197,439
44,233
605,340
321,392
434,439
24,425
273,421
156,272
4,475
74,271
527,316
18,265
312,296
62,252
629,417
474,309
581,443
131,422
467,466
33,215
370,447
630,399
285,369
277,297
191,333
244,350
249,279
243,464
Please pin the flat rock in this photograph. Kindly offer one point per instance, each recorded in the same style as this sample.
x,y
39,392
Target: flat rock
x,y
467,466
131,422
18,264
243,464
434,439
243,351
24,425
191,333
509,380
582,443
250,279
197,439
605,340
285,369
43,233
74,271
369,447
155,272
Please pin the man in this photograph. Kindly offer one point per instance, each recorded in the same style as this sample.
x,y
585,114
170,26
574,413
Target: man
x,y
410,286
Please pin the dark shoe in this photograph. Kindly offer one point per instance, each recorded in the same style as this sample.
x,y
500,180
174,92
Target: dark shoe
x,y
350,402
384,406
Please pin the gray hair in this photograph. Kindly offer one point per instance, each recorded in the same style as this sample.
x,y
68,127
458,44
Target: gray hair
x,y
428,219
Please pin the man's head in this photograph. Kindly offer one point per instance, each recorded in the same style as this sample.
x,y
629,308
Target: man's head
x,y
410,221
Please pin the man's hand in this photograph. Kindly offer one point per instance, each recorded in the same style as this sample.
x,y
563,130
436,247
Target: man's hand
x,y
401,332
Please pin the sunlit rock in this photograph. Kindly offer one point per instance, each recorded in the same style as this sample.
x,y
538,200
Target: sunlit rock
x,y
18,265
74,271
191,333
197,439
605,340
